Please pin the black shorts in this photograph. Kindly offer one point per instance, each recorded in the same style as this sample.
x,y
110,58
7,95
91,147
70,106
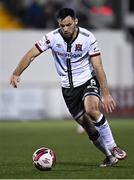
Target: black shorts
x,y
74,97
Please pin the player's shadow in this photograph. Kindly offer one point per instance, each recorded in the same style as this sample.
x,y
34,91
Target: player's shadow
x,y
80,165
75,166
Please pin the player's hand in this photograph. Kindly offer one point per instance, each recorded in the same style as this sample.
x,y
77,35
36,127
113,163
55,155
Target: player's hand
x,y
14,80
108,103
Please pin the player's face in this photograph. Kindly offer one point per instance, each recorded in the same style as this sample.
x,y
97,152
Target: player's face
x,y
68,26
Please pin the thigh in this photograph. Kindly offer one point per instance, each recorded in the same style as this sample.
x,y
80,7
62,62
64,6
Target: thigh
x,y
92,98
91,102
73,99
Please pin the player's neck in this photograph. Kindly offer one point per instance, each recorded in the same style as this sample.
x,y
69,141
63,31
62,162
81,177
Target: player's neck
x,y
75,34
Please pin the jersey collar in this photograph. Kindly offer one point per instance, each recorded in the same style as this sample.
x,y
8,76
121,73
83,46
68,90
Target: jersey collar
x,y
69,42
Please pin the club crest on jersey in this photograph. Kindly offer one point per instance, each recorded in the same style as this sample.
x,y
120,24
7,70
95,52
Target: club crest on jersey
x,y
78,47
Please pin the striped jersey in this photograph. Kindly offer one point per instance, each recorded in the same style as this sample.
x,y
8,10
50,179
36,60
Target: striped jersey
x,y
72,60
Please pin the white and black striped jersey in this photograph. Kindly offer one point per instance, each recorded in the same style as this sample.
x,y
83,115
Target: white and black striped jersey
x,y
72,60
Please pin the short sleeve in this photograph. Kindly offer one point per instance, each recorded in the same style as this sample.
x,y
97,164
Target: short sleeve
x,y
44,43
93,46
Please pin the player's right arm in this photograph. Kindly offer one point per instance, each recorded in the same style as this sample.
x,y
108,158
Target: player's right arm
x,y
23,64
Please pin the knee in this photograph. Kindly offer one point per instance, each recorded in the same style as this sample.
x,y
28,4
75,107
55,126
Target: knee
x,y
92,111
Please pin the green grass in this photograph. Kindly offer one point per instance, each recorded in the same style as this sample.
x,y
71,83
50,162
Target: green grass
x,y
77,158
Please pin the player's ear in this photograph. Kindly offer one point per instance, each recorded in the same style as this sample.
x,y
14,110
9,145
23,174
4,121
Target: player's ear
x,y
76,21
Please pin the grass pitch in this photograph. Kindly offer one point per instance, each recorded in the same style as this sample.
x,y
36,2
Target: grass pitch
x,y
77,158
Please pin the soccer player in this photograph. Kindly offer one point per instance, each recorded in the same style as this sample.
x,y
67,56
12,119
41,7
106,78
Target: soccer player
x,y
79,65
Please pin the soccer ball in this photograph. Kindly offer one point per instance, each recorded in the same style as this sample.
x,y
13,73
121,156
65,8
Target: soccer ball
x,y
44,159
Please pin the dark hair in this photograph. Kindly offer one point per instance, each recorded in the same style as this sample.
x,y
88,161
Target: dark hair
x,y
64,12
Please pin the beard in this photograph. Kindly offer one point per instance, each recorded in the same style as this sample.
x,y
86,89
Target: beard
x,y
68,36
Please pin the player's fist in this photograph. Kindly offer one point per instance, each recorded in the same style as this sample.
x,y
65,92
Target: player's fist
x,y
14,80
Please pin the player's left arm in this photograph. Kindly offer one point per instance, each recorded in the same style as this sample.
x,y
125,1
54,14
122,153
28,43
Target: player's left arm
x,y
107,100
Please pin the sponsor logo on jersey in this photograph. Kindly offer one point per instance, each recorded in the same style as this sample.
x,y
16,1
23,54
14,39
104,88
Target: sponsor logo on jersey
x,y
58,45
68,54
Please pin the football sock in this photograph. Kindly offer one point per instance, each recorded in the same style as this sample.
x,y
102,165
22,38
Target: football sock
x,y
95,136
99,143
103,127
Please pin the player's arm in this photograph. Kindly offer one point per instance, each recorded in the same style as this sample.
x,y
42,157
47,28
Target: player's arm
x,y
108,102
23,64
